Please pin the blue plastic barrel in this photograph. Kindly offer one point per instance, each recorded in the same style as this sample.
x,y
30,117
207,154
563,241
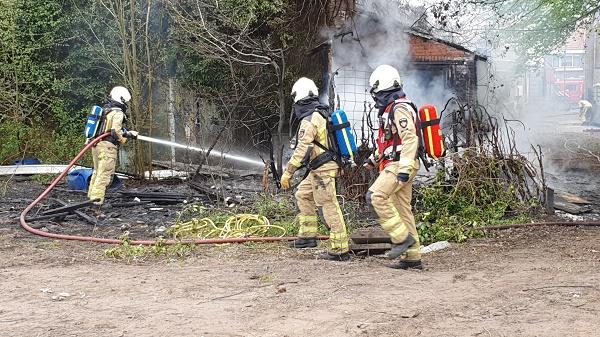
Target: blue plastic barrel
x,y
80,180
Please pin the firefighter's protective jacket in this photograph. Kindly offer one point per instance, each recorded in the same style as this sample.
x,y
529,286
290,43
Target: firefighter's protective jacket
x,y
312,128
402,128
114,121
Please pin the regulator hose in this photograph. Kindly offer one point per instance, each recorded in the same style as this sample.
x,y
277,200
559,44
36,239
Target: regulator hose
x,y
56,180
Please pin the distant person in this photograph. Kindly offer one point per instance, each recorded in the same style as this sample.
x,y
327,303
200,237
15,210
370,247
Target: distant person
x,y
396,156
585,112
318,189
105,152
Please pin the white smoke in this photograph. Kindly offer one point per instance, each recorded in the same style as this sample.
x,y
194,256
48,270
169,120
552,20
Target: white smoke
x,y
377,35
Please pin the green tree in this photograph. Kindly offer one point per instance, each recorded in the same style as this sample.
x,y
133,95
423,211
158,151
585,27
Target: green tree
x,y
32,34
534,27
40,107
128,38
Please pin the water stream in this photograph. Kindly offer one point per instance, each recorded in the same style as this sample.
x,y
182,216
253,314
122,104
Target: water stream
x,y
213,152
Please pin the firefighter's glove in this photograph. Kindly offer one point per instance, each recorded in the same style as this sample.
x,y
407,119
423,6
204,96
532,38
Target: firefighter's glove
x,y
285,180
130,134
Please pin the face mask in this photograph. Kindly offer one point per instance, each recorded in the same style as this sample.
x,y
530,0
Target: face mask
x,y
384,98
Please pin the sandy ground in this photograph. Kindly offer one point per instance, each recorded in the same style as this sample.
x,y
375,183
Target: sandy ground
x,y
526,282
541,282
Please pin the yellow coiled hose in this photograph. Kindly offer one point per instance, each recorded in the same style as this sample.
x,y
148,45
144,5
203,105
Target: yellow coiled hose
x,y
236,226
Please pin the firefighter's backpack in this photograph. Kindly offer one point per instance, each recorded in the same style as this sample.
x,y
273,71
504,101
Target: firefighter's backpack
x,y
430,132
340,130
94,123
342,144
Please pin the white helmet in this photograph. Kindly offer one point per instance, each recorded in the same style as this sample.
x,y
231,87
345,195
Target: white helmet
x,y
120,94
383,78
304,88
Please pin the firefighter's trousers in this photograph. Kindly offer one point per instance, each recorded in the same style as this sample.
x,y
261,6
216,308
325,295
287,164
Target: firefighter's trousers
x,y
105,161
392,205
318,190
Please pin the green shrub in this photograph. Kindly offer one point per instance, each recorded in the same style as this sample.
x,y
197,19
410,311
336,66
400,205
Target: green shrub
x,y
20,140
452,209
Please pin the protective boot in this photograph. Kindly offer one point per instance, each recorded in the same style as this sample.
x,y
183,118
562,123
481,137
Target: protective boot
x,y
401,248
304,243
334,257
403,264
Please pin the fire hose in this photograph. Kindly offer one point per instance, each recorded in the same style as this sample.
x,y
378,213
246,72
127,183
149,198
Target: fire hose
x,y
53,184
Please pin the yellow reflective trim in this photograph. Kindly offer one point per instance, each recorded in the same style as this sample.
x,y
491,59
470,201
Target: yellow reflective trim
x,y
346,139
413,254
389,224
339,244
295,163
304,232
399,232
308,230
310,218
321,138
429,133
338,236
414,249
442,146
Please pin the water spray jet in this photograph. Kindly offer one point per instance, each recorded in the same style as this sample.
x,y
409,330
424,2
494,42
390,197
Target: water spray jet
x,y
197,149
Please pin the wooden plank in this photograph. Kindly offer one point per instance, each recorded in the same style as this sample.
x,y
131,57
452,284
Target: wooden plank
x,y
70,208
371,246
370,249
370,235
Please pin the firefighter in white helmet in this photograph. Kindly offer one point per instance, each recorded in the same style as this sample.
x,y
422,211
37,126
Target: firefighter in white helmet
x,y
585,109
105,152
396,156
318,189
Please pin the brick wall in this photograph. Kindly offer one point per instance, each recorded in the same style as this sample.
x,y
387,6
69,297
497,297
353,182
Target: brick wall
x,y
422,49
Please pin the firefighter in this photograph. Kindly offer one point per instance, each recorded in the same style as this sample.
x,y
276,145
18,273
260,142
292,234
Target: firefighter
x,y
585,109
105,152
318,188
396,156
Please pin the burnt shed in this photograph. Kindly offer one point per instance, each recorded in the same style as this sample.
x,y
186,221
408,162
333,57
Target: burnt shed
x,y
433,70
432,57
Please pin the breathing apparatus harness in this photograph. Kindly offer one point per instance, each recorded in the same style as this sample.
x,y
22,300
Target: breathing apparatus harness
x,y
108,108
387,101
305,108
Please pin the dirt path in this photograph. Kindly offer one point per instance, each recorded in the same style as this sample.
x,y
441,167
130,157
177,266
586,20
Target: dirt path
x,y
523,283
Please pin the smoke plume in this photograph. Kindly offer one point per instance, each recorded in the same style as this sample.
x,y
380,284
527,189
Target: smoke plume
x,y
378,34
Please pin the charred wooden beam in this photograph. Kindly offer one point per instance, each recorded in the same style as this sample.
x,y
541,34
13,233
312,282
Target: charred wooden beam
x,y
70,208
89,219
46,217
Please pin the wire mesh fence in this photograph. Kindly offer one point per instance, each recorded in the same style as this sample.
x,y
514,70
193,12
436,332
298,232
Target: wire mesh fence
x,y
351,89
